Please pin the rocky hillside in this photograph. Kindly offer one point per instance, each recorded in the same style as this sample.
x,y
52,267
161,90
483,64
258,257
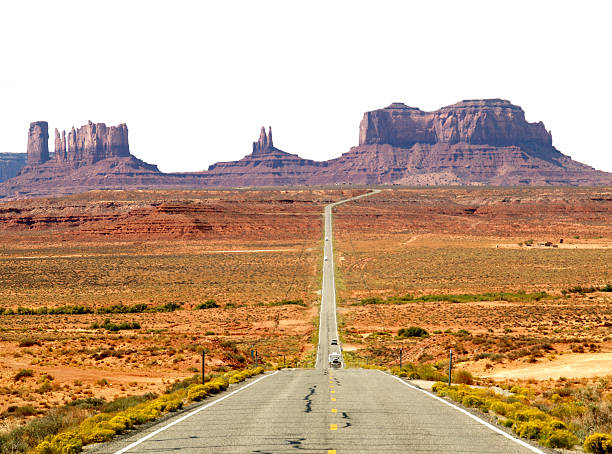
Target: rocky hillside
x,y
474,142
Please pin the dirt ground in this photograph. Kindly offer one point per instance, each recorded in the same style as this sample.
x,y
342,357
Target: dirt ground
x,y
474,241
257,254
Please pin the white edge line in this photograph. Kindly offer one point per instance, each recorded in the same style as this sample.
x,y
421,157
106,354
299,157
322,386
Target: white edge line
x,y
474,417
188,415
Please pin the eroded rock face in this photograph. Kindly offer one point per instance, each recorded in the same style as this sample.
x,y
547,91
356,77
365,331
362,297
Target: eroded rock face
x,y
493,122
476,142
38,142
92,143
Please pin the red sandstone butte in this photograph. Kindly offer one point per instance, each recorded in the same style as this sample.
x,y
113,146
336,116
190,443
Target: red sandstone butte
x,y
473,142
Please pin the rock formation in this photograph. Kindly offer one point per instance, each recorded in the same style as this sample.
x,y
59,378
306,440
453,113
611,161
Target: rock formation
x,y
264,144
474,142
38,142
266,166
91,143
493,122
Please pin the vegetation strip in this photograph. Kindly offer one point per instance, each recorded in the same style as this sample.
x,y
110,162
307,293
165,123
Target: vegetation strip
x,y
69,435
458,298
188,415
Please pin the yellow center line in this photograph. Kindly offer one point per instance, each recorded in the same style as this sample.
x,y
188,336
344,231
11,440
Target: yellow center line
x,y
331,451
333,399
333,427
333,392
334,410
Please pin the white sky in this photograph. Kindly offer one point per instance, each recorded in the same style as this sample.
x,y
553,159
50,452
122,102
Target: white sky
x,y
195,81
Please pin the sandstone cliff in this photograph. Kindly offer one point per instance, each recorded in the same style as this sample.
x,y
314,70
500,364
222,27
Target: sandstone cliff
x,y
91,143
38,142
474,142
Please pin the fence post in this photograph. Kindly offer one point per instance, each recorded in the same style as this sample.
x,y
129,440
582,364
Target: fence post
x,y
401,353
284,364
256,359
203,358
450,366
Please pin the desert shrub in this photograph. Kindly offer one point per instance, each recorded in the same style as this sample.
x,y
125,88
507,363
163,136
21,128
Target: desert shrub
x,y
501,408
463,377
473,401
113,327
289,302
526,421
63,443
560,438
531,414
197,392
123,403
23,373
138,308
598,443
209,304
89,402
26,410
29,342
529,429
412,331
370,300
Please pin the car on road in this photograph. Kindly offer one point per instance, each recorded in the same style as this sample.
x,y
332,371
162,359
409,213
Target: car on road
x,y
334,341
335,360
326,239
325,258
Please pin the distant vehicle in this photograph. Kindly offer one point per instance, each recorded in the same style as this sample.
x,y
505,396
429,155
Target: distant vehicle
x,y
326,239
334,341
326,258
335,360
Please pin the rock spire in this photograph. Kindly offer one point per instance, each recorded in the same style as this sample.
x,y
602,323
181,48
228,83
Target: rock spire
x,y
264,143
38,142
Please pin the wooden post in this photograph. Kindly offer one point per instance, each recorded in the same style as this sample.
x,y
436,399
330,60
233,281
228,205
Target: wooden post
x,y
450,367
401,352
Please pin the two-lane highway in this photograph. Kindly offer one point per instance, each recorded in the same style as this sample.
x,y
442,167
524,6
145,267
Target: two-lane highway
x,y
322,410
328,324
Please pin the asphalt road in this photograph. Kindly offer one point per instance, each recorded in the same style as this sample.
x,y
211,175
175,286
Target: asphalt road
x,y
322,410
328,325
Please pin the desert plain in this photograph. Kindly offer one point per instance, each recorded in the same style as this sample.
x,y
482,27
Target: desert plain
x,y
110,294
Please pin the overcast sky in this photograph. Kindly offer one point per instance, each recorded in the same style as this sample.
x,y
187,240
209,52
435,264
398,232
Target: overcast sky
x,y
195,81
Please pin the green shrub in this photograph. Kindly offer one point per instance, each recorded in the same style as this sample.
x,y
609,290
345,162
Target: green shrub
x,y
23,373
289,302
598,443
210,304
412,331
